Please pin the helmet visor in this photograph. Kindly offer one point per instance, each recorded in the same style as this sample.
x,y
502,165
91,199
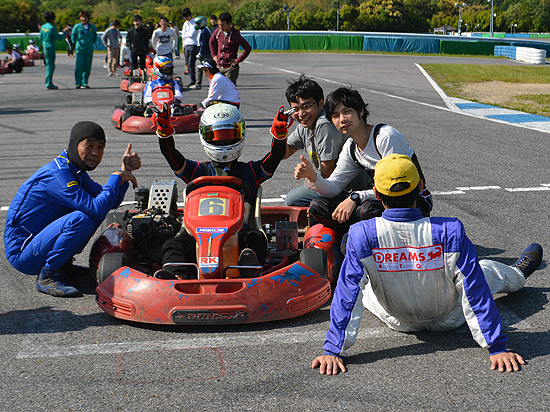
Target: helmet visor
x,y
223,134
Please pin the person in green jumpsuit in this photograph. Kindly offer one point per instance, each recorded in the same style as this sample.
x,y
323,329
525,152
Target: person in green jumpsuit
x,y
48,36
84,36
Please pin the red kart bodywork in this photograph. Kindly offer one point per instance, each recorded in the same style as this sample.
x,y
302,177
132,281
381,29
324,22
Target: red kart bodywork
x,y
29,59
144,125
282,291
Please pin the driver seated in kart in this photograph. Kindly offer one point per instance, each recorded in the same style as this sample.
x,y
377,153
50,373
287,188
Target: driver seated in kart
x,y
164,70
32,49
222,135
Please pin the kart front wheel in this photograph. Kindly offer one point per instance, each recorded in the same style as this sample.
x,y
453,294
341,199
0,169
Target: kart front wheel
x,y
316,259
108,264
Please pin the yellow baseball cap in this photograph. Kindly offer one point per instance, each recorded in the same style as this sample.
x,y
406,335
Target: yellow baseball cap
x,y
392,169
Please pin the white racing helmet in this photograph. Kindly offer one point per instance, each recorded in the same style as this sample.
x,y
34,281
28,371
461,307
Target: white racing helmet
x,y
222,132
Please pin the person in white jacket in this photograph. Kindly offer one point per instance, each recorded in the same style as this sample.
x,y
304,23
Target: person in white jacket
x,y
337,208
190,39
221,88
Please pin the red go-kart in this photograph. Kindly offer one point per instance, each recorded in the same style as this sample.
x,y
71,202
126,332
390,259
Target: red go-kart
x,y
295,279
136,117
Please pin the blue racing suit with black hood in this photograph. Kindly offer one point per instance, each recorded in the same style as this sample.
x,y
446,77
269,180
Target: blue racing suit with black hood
x,y
57,210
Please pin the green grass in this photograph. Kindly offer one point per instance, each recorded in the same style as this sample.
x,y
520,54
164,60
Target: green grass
x,y
452,77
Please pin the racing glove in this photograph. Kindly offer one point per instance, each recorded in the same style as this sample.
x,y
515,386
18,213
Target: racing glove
x,y
281,124
162,120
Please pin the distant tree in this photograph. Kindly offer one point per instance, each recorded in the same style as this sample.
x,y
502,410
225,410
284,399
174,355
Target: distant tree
x,y
18,16
276,20
253,15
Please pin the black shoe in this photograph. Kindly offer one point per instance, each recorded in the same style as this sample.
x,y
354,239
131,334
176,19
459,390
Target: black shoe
x,y
530,259
52,87
248,258
75,270
55,284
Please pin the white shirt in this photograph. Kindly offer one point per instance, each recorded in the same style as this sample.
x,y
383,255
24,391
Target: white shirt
x,y
221,88
388,141
164,41
190,36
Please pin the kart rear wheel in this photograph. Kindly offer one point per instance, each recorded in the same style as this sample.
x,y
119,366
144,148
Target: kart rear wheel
x,y
112,217
108,264
316,259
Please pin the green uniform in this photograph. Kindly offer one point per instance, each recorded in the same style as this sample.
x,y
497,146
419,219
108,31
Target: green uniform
x,y
48,37
83,40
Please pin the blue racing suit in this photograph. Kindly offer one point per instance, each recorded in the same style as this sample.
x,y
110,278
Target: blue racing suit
x,y
153,84
417,274
55,213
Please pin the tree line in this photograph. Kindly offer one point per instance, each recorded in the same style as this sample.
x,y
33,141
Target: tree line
x,y
404,16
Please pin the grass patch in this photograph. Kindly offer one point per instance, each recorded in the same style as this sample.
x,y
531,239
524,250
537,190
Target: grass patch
x,y
458,80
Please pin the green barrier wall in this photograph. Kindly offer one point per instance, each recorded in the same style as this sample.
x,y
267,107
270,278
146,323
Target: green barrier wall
x,y
343,42
299,42
326,42
470,47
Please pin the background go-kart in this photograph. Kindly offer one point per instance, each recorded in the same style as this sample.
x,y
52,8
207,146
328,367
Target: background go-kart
x,y
66,354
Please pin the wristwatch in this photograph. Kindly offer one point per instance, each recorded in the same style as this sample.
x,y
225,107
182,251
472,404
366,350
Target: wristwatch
x,y
355,197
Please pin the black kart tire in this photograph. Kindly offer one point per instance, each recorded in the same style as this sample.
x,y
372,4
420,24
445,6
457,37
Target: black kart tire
x,y
108,264
316,259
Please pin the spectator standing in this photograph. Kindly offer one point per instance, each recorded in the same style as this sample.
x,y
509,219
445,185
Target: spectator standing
x,y
70,44
204,49
164,39
111,39
150,28
214,22
224,45
84,36
137,39
48,36
177,31
190,38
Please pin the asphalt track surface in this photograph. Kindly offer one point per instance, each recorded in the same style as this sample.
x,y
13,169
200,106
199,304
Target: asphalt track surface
x,y
67,355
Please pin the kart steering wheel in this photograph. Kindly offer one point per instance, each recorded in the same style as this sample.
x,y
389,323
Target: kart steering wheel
x,y
223,180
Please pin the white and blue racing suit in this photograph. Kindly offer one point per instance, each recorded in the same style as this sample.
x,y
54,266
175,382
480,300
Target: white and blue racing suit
x,y
153,84
416,274
55,213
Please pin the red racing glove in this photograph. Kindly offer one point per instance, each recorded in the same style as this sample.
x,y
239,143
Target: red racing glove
x,y
280,125
162,120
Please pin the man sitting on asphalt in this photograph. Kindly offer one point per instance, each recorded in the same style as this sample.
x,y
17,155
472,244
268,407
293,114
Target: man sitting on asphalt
x,y
57,210
419,274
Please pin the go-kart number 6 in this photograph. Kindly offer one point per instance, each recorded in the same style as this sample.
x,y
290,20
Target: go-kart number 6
x,y
213,206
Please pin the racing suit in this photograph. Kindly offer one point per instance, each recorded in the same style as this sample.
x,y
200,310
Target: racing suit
x,y
48,37
416,274
54,214
150,86
83,38
183,247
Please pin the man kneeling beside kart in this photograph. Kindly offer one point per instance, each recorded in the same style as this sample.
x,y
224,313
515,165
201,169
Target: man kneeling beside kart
x,y
222,135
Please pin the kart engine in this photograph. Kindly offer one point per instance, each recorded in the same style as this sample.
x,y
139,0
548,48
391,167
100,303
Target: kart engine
x,y
156,220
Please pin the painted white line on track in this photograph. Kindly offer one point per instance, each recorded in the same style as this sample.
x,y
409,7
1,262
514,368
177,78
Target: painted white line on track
x,y
479,188
35,348
527,189
448,102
